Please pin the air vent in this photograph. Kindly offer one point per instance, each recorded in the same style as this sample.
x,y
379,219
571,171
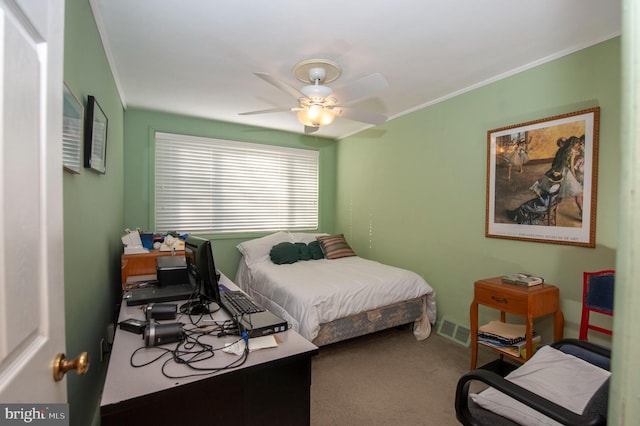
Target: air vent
x,y
456,332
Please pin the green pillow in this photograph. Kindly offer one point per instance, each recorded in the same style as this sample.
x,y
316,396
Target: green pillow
x,y
303,251
315,250
283,253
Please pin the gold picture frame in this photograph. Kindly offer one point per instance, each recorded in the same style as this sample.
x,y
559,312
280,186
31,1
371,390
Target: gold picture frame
x,y
542,180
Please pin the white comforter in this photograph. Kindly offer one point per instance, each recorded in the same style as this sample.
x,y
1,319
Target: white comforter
x,y
310,293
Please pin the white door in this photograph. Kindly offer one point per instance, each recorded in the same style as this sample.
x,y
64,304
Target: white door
x,y
31,259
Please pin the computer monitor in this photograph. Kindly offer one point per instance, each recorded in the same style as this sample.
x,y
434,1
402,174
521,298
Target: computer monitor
x,y
202,272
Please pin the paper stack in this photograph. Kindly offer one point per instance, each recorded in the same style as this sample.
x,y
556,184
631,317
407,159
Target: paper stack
x,y
508,338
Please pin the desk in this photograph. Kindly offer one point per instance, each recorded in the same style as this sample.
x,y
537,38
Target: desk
x,y
528,302
272,387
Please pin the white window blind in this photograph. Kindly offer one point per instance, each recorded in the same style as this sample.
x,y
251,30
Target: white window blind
x,y
71,149
213,185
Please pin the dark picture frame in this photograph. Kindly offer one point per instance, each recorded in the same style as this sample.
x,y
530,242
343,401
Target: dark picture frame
x,y
542,180
95,137
72,131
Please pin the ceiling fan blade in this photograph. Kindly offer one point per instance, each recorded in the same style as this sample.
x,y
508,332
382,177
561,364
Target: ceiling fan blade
x,y
362,88
310,129
360,115
266,111
280,84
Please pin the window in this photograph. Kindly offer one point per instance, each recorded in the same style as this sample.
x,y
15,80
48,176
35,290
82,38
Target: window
x,y
213,185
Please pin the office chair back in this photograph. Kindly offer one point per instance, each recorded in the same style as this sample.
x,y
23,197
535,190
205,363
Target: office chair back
x,y
597,296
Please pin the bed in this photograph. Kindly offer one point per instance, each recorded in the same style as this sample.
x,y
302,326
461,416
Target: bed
x,y
330,300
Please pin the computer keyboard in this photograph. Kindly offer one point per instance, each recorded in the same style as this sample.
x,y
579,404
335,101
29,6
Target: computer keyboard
x,y
238,303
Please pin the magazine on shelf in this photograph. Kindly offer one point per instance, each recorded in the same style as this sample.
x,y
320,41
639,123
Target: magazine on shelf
x,y
516,349
503,331
520,278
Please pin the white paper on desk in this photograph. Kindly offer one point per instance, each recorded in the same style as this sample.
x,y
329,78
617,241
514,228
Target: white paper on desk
x,y
132,239
171,243
255,343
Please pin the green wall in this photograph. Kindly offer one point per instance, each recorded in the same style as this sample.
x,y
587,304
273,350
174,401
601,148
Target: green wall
x,y
140,128
427,174
93,216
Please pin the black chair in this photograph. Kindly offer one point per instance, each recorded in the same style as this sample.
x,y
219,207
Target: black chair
x,y
595,413
552,208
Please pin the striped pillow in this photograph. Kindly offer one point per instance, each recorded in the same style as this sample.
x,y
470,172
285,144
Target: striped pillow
x,y
335,246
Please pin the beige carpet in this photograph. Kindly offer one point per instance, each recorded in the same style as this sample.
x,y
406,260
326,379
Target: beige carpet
x,y
388,378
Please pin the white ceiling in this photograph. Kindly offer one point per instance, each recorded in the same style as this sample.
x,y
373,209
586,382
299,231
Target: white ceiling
x,y
197,57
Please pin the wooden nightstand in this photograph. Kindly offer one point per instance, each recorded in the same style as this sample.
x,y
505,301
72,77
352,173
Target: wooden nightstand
x,y
527,302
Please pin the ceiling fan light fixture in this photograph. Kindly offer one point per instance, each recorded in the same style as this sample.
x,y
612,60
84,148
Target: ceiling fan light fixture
x,y
316,116
316,91
327,117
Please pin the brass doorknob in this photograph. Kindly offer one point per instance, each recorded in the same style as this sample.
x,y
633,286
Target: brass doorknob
x,y
61,365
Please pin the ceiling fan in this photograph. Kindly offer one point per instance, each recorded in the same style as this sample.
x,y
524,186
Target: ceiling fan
x,y
318,104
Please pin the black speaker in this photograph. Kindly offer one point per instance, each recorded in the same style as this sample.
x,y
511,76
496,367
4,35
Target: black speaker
x,y
171,270
160,334
161,311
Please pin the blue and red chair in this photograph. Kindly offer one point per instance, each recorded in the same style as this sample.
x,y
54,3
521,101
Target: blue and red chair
x,y
597,297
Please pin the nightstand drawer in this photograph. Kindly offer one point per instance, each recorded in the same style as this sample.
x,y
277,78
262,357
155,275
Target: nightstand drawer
x,y
501,300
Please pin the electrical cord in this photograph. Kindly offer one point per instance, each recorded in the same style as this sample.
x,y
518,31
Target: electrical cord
x,y
243,319
200,316
191,352
203,371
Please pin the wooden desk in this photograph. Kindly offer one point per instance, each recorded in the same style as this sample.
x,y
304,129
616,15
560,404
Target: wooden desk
x,y
142,265
272,387
528,302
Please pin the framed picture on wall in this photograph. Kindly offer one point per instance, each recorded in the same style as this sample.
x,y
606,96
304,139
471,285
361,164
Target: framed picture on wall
x,y
95,137
72,130
542,180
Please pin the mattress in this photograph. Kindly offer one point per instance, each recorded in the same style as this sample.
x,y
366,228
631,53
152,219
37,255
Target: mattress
x,y
353,295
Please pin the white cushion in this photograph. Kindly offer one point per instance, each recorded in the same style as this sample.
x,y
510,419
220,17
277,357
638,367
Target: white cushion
x,y
564,379
304,237
257,250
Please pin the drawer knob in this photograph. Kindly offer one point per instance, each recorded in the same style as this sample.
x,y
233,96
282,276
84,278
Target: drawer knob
x,y
499,299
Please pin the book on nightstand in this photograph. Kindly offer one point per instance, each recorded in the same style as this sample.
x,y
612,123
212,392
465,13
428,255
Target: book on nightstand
x,y
517,349
520,278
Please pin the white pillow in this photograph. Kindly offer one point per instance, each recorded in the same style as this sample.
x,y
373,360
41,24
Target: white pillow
x,y
303,237
562,378
257,250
